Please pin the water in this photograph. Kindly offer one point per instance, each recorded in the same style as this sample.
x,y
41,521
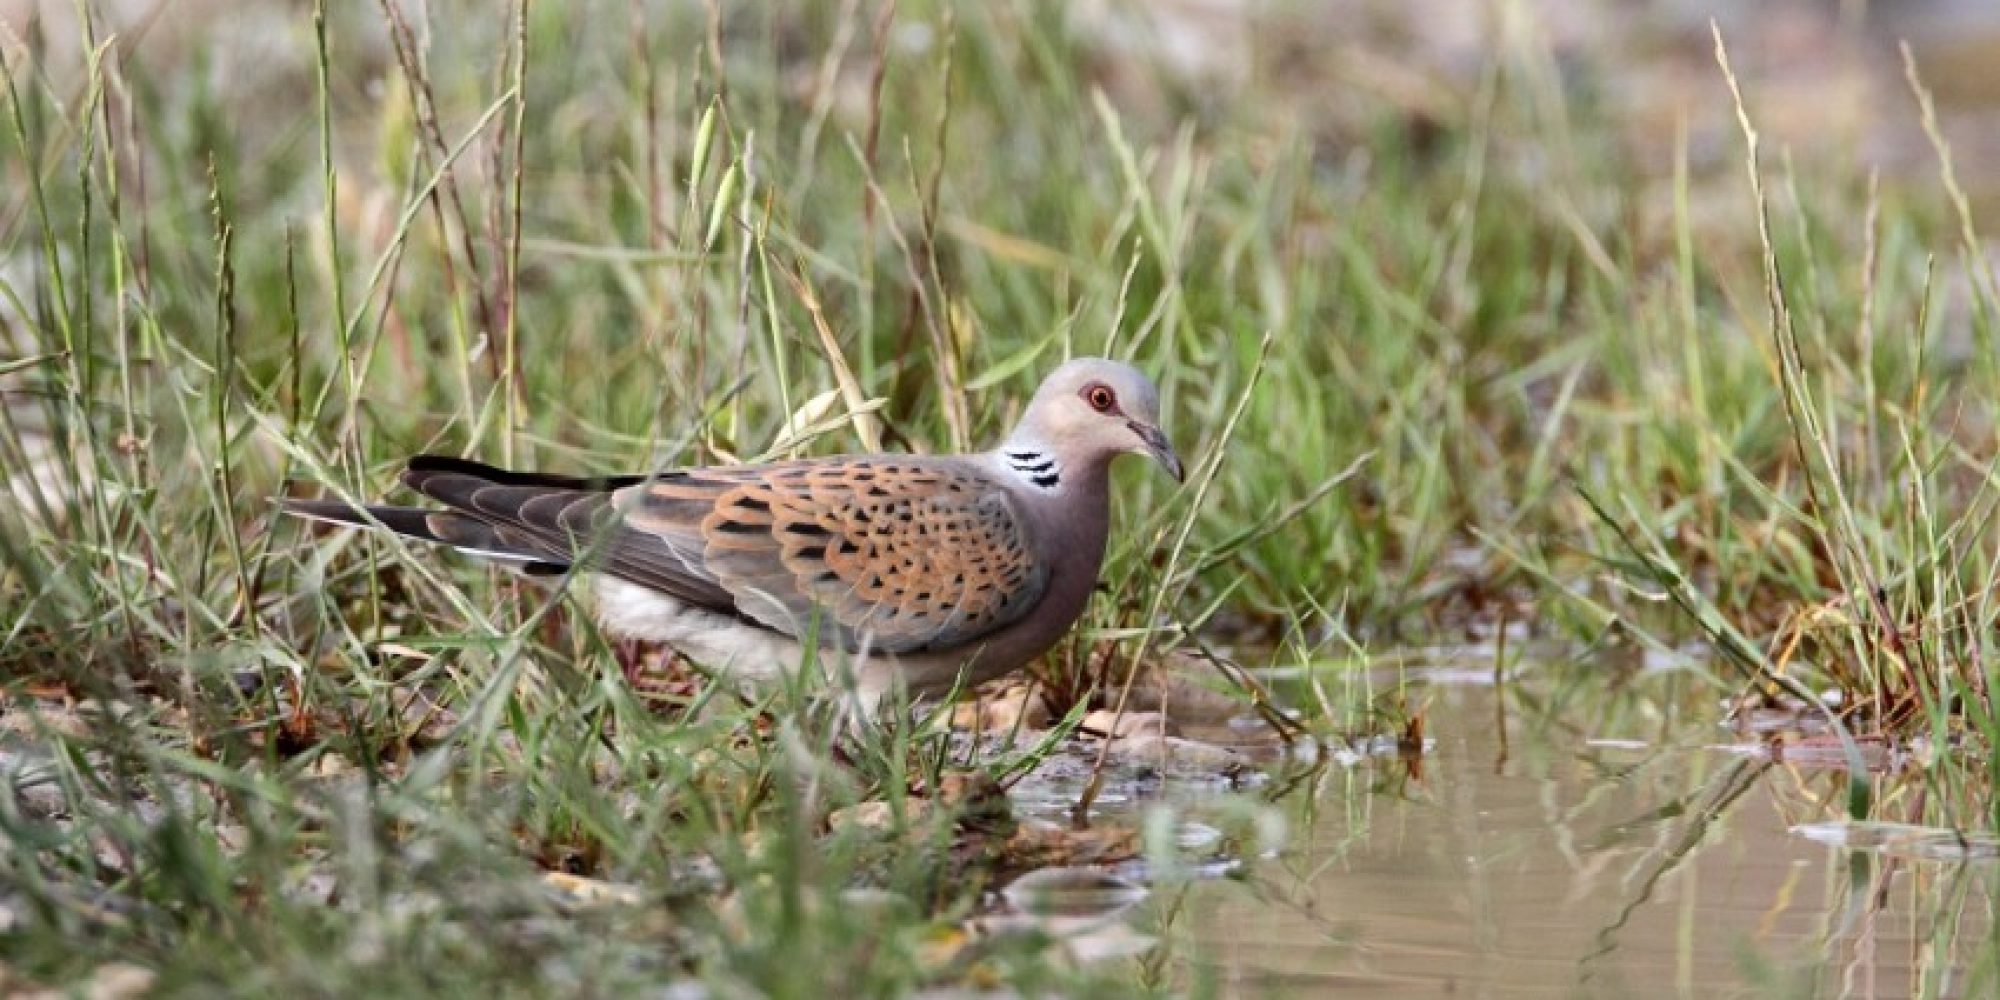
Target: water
x,y
1605,848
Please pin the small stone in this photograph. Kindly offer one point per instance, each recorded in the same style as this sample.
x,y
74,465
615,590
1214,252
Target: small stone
x,y
1129,726
1042,844
121,979
1111,941
232,838
1016,706
975,799
876,816
967,788
981,803
1187,753
112,710
329,765
40,718
36,791
576,892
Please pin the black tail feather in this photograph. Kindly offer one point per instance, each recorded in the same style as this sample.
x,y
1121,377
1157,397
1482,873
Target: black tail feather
x,y
423,467
410,522
467,534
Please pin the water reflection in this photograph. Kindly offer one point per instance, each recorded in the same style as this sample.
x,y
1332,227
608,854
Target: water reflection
x,y
1623,855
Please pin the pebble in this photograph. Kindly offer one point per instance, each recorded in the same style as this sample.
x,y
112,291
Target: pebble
x,y
1130,726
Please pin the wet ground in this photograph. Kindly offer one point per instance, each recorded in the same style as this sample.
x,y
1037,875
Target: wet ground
x,y
1602,847
1569,832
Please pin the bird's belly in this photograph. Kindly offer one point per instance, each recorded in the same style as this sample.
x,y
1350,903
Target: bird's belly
x,y
718,642
759,655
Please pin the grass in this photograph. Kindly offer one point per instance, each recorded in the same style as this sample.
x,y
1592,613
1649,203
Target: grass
x,y
1440,369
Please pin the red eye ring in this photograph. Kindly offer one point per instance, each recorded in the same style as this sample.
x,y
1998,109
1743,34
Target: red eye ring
x,y
1100,397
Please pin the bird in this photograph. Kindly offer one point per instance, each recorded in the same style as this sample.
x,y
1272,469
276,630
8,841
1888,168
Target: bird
x,y
926,573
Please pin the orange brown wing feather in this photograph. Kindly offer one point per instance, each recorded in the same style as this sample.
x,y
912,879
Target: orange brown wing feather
x,y
884,554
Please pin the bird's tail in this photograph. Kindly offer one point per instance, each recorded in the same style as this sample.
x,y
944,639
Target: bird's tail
x,y
442,527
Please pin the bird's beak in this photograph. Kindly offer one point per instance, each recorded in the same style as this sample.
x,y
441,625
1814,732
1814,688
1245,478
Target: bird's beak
x,y
1157,446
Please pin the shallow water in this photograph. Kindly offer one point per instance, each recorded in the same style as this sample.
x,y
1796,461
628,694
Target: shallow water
x,y
1605,848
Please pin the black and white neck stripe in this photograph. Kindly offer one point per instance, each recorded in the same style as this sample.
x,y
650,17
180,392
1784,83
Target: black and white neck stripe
x,y
1038,467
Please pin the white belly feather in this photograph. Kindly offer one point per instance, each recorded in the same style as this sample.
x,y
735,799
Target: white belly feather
x,y
737,650
715,641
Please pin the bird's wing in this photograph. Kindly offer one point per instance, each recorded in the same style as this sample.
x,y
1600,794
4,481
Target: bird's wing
x,y
560,520
890,554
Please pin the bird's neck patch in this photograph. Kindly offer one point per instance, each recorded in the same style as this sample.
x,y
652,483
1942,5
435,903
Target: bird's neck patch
x,y
1034,466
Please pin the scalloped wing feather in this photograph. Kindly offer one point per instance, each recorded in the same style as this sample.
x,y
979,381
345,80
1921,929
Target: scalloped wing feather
x,y
895,555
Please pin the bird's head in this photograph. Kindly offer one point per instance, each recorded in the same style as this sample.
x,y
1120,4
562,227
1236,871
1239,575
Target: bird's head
x,y
1090,410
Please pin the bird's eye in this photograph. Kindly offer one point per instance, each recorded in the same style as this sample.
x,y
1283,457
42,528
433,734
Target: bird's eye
x,y
1100,397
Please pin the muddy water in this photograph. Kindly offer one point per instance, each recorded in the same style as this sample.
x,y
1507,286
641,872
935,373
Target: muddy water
x,y
1606,847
